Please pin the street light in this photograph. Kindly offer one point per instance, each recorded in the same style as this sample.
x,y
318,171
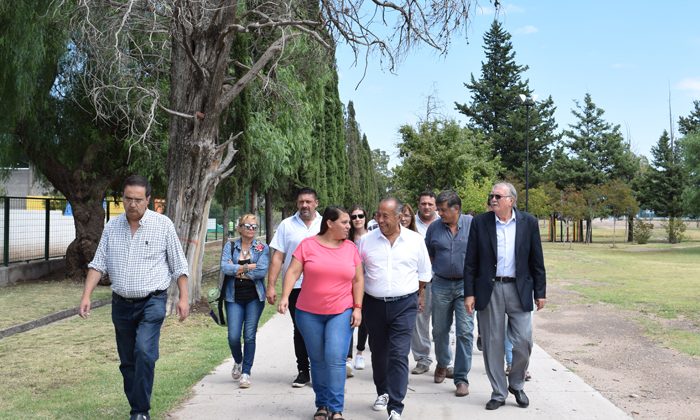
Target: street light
x,y
528,102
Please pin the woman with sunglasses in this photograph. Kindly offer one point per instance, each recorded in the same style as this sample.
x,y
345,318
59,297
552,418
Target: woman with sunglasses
x,y
329,306
358,220
244,263
408,218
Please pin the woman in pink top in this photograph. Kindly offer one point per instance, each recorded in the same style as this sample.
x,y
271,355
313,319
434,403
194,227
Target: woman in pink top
x,y
329,306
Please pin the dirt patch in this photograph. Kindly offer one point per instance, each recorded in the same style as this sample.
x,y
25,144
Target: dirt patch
x,y
607,348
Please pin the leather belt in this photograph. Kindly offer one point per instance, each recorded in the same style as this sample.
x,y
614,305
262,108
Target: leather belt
x,y
392,298
504,279
137,300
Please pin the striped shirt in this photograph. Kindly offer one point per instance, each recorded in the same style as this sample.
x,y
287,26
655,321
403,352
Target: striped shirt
x,y
140,264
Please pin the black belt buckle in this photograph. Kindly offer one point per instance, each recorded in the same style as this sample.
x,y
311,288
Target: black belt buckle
x,y
504,279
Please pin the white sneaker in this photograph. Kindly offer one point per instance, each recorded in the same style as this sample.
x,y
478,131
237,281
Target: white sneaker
x,y
348,369
359,362
381,402
236,371
244,382
394,416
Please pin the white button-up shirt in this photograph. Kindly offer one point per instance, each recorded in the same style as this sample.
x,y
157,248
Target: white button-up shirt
x,y
394,270
505,255
290,232
140,264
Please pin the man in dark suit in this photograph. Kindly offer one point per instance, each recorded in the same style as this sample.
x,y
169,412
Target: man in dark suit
x,y
503,272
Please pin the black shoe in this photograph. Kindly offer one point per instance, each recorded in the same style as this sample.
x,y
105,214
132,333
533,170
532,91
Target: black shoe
x,y
494,404
520,397
478,344
302,380
140,416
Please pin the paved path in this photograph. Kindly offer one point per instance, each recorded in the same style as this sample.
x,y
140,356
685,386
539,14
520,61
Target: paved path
x,y
555,392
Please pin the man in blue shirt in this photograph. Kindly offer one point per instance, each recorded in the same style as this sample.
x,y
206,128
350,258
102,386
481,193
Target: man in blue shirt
x,y
446,240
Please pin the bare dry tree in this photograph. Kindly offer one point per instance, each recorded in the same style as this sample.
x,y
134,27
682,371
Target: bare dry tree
x,y
143,58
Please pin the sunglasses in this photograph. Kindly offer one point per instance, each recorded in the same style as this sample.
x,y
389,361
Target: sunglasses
x,y
497,196
357,216
249,226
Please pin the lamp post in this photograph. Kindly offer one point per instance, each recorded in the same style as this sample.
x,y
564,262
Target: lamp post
x,y
528,102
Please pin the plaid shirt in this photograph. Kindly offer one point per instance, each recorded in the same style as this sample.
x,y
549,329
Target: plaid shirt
x,y
144,263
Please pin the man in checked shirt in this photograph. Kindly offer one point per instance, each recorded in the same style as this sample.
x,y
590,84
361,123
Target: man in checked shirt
x,y
142,255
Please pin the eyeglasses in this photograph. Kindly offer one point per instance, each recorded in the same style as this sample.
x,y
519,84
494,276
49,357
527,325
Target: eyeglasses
x,y
249,226
357,216
129,200
498,196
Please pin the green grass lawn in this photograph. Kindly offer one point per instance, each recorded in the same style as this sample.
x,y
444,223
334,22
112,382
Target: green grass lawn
x,y
70,368
658,282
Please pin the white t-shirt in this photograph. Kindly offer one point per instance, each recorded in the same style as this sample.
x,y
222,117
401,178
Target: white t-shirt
x,y
422,227
289,234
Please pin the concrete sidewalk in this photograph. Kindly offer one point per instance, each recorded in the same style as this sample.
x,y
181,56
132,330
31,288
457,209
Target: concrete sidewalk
x,y
554,391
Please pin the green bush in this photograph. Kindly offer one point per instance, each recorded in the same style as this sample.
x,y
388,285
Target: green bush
x,y
675,229
642,231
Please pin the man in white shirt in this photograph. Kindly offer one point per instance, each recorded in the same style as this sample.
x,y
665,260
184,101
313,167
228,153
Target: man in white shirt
x,y
397,268
421,340
290,232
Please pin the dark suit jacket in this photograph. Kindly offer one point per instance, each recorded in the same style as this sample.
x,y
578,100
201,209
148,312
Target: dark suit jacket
x,y
480,261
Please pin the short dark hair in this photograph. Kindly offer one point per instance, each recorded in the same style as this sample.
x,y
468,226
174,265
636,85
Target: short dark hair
x,y
139,181
331,213
306,190
450,197
426,193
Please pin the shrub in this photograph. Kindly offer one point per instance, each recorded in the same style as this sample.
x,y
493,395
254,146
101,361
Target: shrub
x,y
674,230
642,231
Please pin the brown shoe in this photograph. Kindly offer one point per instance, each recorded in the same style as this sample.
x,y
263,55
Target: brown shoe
x,y
450,373
440,373
462,389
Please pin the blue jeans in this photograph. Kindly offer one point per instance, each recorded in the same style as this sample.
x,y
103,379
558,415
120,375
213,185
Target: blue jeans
x,y
243,319
448,301
137,329
509,350
327,338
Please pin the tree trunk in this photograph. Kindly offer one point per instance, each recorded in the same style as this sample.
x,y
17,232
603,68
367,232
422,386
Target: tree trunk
x,y
614,221
269,231
630,228
254,199
89,220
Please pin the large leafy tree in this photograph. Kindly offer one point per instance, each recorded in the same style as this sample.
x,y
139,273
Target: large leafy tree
x,y
47,118
191,41
497,111
439,154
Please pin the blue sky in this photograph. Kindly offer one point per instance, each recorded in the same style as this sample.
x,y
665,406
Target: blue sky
x,y
628,55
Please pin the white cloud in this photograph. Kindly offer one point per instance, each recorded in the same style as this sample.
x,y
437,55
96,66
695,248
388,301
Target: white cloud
x,y
689,84
527,30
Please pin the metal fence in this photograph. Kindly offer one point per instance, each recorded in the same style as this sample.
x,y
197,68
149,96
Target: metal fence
x,y
34,228
41,228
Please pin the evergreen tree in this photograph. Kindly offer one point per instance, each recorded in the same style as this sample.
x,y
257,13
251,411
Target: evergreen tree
x,y
664,183
691,123
497,111
690,148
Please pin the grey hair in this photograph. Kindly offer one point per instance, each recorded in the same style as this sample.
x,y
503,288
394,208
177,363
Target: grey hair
x,y
399,204
511,190
450,197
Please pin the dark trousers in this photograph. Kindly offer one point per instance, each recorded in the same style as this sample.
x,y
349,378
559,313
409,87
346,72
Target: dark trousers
x,y
299,346
137,328
390,326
